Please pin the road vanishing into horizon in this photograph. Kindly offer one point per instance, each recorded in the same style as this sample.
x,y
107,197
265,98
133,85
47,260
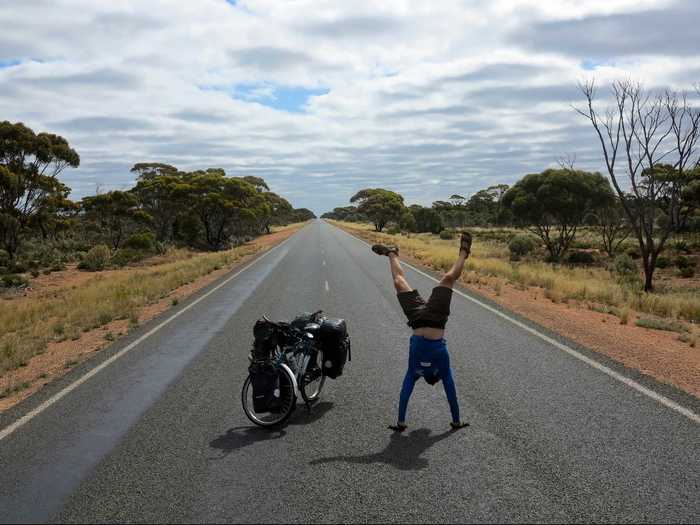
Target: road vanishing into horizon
x,y
158,433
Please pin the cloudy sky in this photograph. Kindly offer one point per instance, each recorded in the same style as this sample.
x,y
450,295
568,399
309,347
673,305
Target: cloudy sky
x,y
322,98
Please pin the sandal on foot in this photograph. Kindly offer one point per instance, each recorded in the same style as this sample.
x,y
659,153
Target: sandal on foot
x,y
397,427
457,426
381,249
465,242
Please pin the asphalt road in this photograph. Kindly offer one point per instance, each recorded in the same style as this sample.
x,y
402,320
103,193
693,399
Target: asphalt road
x,y
159,435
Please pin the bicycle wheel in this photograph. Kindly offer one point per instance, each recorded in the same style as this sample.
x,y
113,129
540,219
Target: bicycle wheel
x,y
278,414
312,381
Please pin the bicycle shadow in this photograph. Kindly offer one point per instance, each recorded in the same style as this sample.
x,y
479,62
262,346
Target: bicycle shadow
x,y
237,438
402,452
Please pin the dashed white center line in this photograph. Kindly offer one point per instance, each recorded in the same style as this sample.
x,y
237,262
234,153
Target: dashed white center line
x,y
324,262
328,288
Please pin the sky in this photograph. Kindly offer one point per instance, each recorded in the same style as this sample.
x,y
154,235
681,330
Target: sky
x,y
324,98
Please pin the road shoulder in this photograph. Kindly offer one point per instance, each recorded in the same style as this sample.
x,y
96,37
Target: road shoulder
x,y
63,362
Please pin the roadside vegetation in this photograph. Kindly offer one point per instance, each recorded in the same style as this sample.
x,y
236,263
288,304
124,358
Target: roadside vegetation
x,y
625,241
615,285
29,324
138,245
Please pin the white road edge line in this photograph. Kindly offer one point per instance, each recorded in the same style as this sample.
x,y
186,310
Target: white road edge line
x,y
328,288
57,397
591,362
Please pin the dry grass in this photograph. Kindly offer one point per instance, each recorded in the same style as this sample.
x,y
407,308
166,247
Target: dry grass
x,y
561,283
27,325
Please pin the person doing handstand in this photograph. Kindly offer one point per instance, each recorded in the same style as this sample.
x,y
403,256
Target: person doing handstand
x,y
428,356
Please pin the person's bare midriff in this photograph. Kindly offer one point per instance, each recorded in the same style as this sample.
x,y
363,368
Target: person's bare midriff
x,y
429,332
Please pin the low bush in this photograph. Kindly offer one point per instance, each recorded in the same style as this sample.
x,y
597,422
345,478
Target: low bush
x,y
17,267
447,235
13,281
684,262
687,272
96,259
125,256
633,252
663,262
394,230
520,246
624,265
579,257
144,241
661,324
681,246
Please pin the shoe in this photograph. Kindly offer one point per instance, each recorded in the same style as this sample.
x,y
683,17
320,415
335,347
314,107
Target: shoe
x,y
381,249
457,426
465,242
397,428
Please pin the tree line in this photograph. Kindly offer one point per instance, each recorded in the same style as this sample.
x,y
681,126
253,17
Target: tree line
x,y
553,205
201,209
649,144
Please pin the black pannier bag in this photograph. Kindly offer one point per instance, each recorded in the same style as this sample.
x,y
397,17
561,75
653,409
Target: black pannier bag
x,y
334,339
266,387
265,340
300,321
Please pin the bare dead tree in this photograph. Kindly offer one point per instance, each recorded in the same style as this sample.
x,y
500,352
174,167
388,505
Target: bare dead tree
x,y
636,135
567,161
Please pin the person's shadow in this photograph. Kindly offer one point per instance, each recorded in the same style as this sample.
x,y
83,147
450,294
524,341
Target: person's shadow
x,y
239,437
402,452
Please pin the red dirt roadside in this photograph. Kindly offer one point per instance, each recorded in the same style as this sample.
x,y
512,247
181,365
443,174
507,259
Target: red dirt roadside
x,y
60,357
656,353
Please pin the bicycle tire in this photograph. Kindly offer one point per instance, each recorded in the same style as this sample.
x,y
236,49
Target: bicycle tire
x,y
307,396
284,414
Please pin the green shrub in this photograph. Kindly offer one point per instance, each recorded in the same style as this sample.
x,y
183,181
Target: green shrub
x,y
447,235
661,324
35,273
96,259
125,256
579,257
663,262
687,272
634,252
625,265
18,267
13,281
4,258
582,244
520,245
684,262
681,246
394,230
144,241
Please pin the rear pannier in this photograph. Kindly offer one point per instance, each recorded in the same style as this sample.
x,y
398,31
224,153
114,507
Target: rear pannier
x,y
266,387
334,339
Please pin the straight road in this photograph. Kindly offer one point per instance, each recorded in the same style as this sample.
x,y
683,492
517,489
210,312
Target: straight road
x,y
159,434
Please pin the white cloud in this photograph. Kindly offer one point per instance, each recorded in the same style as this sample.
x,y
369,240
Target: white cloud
x,y
426,98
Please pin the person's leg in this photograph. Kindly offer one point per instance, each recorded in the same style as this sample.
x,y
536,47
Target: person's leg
x,y
451,277
400,282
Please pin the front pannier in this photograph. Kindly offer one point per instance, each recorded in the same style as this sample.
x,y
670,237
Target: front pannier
x,y
334,339
266,387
